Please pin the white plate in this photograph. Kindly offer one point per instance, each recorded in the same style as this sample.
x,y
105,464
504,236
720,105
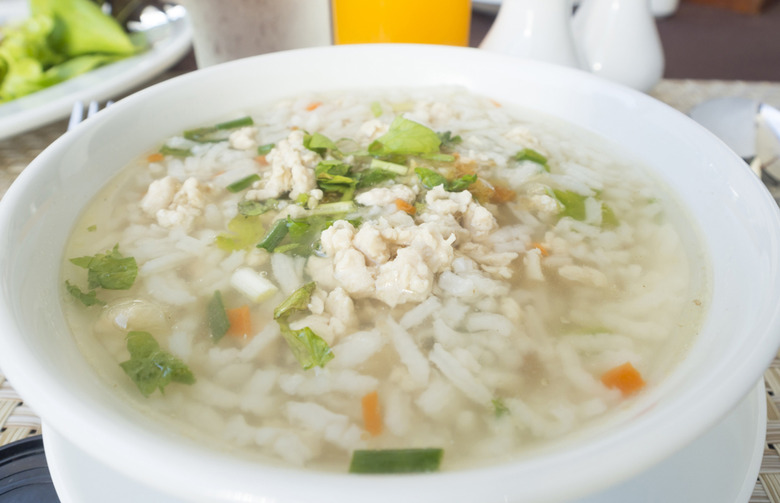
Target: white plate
x,y
720,467
170,42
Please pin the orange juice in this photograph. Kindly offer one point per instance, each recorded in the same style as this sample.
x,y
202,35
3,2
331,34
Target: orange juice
x,y
444,22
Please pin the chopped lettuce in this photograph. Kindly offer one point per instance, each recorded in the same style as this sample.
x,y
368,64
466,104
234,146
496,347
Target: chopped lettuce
x,y
61,39
308,348
109,270
250,208
319,143
152,368
244,183
243,232
405,137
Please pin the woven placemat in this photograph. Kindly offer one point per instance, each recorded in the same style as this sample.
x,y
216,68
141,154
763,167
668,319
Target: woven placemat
x,y
17,421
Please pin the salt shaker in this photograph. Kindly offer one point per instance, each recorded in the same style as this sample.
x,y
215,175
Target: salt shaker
x,y
534,29
618,40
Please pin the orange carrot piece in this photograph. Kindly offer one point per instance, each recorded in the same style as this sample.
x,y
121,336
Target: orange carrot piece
x,y
625,378
404,206
260,159
372,419
313,106
541,248
156,157
240,321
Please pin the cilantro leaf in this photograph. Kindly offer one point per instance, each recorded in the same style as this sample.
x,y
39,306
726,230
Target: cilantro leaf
x,y
88,299
109,270
405,137
152,368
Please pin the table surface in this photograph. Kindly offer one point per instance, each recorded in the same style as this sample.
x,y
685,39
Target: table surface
x,y
17,421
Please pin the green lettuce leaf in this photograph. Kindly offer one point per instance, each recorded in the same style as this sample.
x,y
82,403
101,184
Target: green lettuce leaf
x,y
405,137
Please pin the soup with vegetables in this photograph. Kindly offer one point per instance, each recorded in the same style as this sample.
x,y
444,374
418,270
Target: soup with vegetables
x,y
392,281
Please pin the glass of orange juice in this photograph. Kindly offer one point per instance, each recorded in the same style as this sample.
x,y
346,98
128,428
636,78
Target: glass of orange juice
x,y
444,22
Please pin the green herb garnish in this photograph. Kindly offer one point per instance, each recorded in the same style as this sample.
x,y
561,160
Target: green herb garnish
x,y
217,317
319,143
573,204
431,178
396,461
88,298
499,408
405,137
250,208
244,183
265,149
218,132
274,236
447,140
308,348
376,109
529,154
176,152
152,368
243,232
109,270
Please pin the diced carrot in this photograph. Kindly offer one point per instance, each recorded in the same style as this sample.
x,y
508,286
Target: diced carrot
x,y
372,419
156,157
240,321
261,159
404,206
623,377
313,106
496,103
541,248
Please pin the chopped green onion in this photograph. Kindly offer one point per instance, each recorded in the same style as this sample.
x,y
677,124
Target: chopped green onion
x,y
212,134
334,208
265,149
244,183
252,284
176,152
399,169
529,154
274,236
396,461
217,317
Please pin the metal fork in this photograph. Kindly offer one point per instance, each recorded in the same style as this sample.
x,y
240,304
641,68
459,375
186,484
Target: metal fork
x,y
77,114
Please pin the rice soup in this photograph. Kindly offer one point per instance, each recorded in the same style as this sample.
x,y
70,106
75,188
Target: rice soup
x,y
416,279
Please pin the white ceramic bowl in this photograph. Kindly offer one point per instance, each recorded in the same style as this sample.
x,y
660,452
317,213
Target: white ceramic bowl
x,y
738,218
